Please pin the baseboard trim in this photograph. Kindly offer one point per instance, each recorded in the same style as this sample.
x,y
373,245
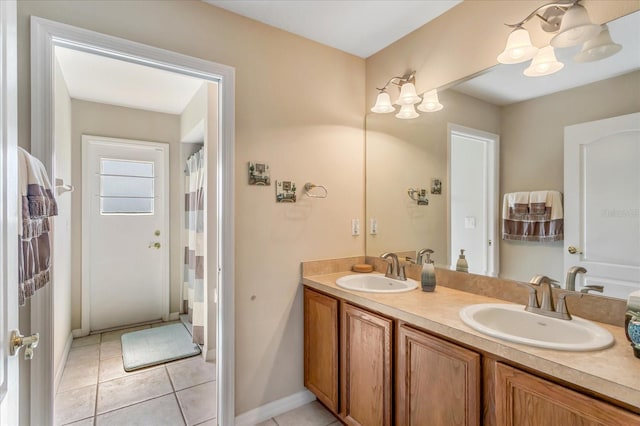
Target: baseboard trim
x,y
274,408
79,332
63,362
174,316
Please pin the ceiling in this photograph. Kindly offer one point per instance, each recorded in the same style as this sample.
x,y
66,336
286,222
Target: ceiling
x,y
100,79
359,27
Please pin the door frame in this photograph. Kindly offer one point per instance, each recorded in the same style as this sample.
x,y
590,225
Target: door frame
x,y
9,404
493,188
45,35
86,224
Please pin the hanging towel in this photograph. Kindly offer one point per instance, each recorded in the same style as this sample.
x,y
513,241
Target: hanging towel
x,y
542,222
37,204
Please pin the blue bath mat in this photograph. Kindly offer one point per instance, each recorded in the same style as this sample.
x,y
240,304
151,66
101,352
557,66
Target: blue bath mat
x,y
156,345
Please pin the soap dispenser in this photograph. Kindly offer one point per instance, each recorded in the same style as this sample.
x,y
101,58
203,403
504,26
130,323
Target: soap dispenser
x,y
428,277
462,265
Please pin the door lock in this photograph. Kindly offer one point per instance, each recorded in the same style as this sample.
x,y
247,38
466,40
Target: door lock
x,y
573,250
29,342
155,245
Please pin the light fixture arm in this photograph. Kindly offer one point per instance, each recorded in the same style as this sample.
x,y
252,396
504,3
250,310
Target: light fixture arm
x,y
410,77
561,4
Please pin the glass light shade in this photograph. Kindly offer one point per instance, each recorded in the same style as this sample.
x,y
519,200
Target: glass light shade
x,y
430,102
518,48
408,95
575,28
599,47
383,104
407,112
544,63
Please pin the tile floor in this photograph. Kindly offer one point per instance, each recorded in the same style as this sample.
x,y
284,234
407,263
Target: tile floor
x,y
95,390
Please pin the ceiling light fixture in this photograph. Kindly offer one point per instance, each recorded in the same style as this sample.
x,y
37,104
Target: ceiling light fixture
x,y
407,98
573,26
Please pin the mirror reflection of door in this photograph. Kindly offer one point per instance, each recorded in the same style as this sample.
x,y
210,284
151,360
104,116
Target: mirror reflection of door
x,y
473,198
602,203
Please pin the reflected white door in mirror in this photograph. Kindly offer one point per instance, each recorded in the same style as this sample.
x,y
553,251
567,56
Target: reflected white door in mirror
x,y
473,176
602,203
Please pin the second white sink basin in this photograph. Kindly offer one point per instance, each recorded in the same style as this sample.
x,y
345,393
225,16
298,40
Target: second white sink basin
x,y
376,283
514,324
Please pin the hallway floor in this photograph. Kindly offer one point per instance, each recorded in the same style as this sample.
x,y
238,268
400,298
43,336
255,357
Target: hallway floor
x,y
95,390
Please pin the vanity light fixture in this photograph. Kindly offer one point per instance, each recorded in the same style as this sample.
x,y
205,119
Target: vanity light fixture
x,y
407,99
573,26
544,63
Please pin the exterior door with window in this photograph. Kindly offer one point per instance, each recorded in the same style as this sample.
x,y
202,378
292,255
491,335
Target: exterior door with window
x,y
125,231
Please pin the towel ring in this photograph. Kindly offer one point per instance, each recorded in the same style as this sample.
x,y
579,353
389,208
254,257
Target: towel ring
x,y
61,187
309,186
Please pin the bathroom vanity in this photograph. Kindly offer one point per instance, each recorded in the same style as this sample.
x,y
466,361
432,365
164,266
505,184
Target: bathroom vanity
x,y
407,358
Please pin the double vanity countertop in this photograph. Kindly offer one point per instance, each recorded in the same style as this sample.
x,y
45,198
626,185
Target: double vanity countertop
x,y
613,373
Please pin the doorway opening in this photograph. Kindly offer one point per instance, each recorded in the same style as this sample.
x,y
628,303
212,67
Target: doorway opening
x,y
473,220
47,36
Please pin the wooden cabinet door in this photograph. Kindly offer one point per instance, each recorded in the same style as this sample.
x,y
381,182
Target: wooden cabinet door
x,y
321,347
523,399
437,382
366,370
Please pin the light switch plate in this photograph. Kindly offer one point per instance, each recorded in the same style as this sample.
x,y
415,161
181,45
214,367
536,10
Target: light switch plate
x,y
470,222
355,227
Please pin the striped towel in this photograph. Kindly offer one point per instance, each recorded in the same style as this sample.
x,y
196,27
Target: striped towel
x,y
37,204
542,219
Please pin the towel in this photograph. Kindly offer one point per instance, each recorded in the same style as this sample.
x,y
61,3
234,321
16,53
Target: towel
x,y
516,204
37,204
542,222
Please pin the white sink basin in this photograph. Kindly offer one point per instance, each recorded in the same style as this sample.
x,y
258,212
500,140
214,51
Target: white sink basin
x,y
513,323
375,283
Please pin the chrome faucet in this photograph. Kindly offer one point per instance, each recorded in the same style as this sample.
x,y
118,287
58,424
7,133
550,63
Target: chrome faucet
x,y
421,254
546,306
394,269
570,283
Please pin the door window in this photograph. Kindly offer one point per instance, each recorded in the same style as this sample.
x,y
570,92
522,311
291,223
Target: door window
x,y
126,187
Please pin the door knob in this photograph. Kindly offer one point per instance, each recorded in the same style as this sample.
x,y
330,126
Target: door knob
x,y
573,250
29,342
155,245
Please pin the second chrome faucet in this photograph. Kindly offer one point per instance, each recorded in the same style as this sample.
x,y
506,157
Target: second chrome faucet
x,y
546,306
394,269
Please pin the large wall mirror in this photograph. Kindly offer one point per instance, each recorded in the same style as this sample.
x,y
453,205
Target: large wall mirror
x,y
502,132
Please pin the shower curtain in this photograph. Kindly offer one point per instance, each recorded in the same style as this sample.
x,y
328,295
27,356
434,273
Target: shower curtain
x,y
193,288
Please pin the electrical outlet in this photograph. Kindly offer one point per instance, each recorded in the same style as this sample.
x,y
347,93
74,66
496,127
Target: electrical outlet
x,y
355,227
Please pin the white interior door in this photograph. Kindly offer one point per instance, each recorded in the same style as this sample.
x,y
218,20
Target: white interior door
x,y
602,202
126,232
8,213
472,198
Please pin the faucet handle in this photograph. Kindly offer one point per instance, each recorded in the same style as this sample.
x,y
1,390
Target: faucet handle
x,y
592,287
561,304
533,299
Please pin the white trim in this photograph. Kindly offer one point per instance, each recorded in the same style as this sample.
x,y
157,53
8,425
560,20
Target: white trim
x,y
274,408
45,35
86,221
493,189
9,405
63,362
174,316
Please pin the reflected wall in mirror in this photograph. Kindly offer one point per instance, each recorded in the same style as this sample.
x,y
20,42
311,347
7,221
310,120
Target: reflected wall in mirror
x,y
403,154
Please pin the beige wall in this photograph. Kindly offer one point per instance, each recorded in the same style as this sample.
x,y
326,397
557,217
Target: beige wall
x,y
532,157
90,118
299,106
62,223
